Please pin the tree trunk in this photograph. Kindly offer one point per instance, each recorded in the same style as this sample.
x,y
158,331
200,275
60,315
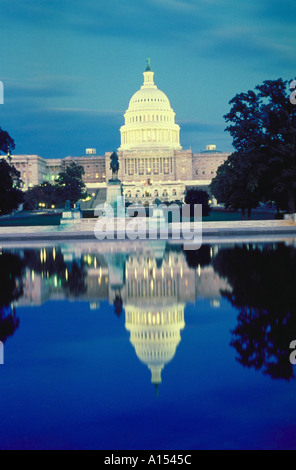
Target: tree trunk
x,y
249,212
243,214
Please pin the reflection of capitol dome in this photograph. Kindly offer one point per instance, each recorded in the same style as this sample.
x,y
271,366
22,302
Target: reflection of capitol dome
x,y
149,119
155,335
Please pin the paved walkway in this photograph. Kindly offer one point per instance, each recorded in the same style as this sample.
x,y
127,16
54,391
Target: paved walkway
x,y
85,230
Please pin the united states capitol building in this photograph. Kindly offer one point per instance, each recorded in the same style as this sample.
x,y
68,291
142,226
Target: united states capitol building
x,y
151,158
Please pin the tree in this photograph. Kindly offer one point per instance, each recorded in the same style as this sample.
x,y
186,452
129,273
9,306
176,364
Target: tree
x,y
6,142
45,193
237,184
262,124
197,196
10,194
70,185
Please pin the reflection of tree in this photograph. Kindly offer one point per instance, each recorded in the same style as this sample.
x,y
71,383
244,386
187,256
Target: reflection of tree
x,y
263,289
200,257
72,274
75,281
11,271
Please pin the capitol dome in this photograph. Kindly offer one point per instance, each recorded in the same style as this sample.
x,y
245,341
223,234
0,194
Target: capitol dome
x,y
149,119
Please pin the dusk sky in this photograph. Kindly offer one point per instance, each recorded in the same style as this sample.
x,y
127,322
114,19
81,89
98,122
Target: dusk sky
x,y
70,67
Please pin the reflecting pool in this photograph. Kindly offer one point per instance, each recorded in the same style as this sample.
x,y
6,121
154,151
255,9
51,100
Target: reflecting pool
x,y
116,346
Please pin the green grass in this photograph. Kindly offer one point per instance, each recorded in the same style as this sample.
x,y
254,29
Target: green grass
x,y
221,215
54,219
31,220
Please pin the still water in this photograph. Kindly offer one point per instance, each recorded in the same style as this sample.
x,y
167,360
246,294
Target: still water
x,y
148,346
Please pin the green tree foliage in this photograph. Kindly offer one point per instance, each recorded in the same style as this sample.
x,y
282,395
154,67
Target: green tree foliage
x,y
237,184
262,124
6,142
45,193
10,194
197,196
70,185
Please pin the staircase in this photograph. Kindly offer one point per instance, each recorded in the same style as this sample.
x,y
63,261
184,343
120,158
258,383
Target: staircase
x,y
98,198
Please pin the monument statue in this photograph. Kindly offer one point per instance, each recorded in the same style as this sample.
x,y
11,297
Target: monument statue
x,y
68,205
148,64
114,166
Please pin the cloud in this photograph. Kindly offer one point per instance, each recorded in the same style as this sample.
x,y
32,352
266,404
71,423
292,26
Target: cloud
x,y
34,90
195,126
61,132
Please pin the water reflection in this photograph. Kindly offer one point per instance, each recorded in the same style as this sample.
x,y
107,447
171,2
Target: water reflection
x,y
152,285
11,282
262,280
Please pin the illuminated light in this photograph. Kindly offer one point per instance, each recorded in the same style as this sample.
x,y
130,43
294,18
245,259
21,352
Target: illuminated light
x,y
153,273
95,262
181,272
33,275
44,255
199,270
136,273
99,281
152,284
55,280
41,256
162,272
66,274
54,253
53,206
211,252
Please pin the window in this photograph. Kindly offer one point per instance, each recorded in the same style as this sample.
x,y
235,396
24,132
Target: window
x,y
131,166
141,166
166,166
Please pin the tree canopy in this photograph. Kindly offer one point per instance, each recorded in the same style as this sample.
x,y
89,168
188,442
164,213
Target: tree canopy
x,y
69,185
10,194
198,196
262,124
6,142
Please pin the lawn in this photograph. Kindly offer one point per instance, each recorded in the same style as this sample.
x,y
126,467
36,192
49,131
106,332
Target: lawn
x,y
31,219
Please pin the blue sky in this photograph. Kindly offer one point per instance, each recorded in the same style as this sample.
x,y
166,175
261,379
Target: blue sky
x,y
69,68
